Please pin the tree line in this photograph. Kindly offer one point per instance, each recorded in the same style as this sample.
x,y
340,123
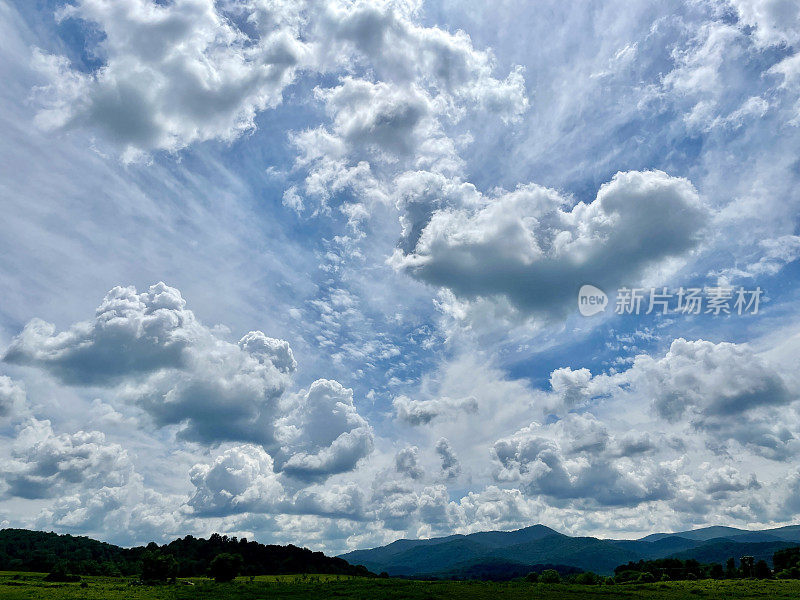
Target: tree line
x,y
24,550
786,565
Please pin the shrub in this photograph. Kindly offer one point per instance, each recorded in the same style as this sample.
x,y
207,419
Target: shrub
x,y
532,577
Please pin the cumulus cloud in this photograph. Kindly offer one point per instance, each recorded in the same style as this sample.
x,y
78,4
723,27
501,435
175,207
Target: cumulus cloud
x,y
173,74
193,70
726,391
152,350
402,506
529,247
12,397
386,37
265,348
569,460
451,466
45,464
712,381
494,508
241,479
422,412
323,433
406,462
775,21
723,481
153,327
222,394
347,501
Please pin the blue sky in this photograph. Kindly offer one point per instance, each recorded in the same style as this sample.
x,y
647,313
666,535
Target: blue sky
x,y
308,272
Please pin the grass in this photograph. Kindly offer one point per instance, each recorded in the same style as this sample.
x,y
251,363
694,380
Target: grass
x,y
31,586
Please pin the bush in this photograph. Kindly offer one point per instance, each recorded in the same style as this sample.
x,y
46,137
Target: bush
x,y
225,567
550,576
646,578
532,577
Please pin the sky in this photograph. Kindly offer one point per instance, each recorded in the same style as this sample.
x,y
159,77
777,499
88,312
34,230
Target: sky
x,y
313,272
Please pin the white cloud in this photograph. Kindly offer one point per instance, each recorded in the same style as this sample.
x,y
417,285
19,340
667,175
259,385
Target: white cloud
x,y
241,479
451,467
323,432
422,412
527,246
406,462
173,74
570,460
154,327
151,350
712,382
12,397
196,70
775,21
44,464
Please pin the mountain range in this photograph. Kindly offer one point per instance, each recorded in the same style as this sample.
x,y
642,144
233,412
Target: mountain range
x,y
493,554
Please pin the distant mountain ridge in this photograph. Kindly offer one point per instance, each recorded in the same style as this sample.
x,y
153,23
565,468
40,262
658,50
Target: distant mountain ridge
x,y
509,551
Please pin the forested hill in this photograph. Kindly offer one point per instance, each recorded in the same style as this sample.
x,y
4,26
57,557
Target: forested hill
x,y
23,550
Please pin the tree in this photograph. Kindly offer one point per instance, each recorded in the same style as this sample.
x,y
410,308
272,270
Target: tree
x,y
716,571
532,577
587,578
157,566
225,567
747,564
762,570
784,560
730,568
549,576
61,572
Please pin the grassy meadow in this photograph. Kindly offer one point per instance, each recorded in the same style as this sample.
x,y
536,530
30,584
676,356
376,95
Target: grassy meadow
x,y
31,586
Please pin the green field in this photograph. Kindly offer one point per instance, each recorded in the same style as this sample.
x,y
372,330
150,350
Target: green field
x,y
30,586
